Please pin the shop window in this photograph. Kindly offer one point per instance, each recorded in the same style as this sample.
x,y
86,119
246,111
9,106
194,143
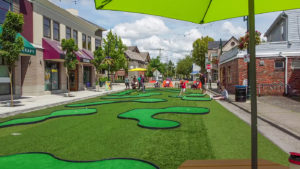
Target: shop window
x,y
97,43
47,27
56,31
51,76
87,76
4,8
68,33
4,78
75,36
89,43
279,64
83,41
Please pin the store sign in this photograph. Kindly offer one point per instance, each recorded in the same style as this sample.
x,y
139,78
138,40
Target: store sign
x,y
86,60
208,67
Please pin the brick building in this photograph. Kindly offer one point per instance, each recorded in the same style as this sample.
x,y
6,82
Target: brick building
x,y
45,25
277,61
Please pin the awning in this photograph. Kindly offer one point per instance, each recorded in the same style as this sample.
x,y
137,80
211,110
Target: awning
x,y
52,50
88,53
28,48
195,72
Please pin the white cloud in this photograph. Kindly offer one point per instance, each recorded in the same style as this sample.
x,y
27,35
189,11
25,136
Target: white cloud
x,y
236,31
127,42
141,28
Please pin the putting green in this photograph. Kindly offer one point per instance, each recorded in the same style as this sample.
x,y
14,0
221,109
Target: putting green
x,y
196,95
48,161
196,98
132,96
121,93
175,96
110,102
145,116
56,114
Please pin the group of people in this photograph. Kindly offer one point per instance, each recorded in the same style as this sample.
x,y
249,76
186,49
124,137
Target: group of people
x,y
203,80
135,83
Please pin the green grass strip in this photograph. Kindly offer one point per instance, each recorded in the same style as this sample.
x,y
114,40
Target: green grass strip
x,y
196,98
132,96
175,96
48,161
110,102
145,116
56,114
196,95
126,92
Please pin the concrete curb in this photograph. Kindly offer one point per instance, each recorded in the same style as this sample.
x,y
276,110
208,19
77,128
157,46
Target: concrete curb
x,y
12,113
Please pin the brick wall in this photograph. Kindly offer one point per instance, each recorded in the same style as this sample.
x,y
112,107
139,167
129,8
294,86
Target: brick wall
x,y
270,80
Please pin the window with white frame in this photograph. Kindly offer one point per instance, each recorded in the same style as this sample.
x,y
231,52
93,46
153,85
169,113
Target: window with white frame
x,y
68,33
279,64
56,31
47,27
296,64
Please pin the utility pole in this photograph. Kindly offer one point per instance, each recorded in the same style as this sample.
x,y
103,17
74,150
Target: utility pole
x,y
248,63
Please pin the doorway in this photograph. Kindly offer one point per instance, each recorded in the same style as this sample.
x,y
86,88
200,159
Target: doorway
x,y
73,75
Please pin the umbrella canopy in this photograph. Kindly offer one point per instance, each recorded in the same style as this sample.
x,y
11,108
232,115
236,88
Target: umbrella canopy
x,y
205,11
138,70
197,11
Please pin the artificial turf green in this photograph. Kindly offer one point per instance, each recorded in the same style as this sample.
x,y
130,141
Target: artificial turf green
x,y
217,135
59,113
196,98
132,96
46,161
111,102
196,95
146,119
126,92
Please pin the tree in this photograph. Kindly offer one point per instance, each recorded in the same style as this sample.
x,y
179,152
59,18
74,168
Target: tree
x,y
98,60
10,45
155,64
70,48
114,53
200,48
185,66
170,69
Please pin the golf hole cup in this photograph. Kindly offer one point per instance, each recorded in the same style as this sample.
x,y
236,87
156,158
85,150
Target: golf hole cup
x,y
294,160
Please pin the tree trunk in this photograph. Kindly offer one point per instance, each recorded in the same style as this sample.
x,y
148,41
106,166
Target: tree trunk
x,y
68,81
11,90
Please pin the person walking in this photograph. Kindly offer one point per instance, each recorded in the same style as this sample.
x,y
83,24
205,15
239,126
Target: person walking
x,y
139,81
127,82
203,82
183,87
143,83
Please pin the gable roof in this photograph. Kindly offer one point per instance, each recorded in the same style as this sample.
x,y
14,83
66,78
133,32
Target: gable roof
x,y
133,49
230,39
277,20
145,56
215,44
134,55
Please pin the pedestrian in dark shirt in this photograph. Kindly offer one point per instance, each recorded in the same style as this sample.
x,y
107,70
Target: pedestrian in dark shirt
x,y
203,82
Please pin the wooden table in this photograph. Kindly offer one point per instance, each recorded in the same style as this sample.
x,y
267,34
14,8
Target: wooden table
x,y
228,164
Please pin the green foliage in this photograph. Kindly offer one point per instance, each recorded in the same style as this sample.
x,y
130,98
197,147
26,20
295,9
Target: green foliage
x,y
114,49
185,66
70,48
99,57
200,48
170,69
155,64
103,79
10,45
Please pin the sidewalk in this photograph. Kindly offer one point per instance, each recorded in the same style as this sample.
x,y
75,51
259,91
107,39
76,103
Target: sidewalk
x,y
278,119
32,103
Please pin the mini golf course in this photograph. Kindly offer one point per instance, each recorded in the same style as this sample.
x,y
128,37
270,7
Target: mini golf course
x,y
146,120
56,114
193,129
111,102
132,96
126,92
48,161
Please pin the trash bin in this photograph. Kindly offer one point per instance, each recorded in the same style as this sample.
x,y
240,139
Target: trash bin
x,y
240,93
294,160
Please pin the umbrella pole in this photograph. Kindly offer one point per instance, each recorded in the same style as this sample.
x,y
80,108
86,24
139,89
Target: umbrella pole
x,y
252,78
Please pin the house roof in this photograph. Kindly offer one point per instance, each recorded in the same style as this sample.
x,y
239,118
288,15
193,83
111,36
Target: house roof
x,y
269,49
134,55
215,44
145,56
278,19
99,27
133,48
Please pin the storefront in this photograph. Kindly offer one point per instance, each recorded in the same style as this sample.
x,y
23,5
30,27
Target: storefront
x,y
28,50
51,76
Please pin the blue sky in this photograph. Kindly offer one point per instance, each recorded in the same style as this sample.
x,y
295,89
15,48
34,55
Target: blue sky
x,y
152,32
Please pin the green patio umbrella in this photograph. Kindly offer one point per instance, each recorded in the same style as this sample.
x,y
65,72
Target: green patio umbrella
x,y
205,11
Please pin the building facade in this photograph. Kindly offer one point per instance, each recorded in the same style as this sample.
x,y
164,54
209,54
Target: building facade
x,y
45,25
277,61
